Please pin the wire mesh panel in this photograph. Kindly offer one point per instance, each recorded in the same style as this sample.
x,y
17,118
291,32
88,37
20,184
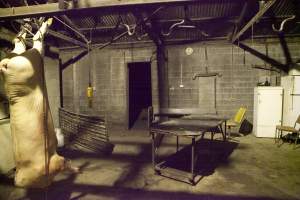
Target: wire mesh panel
x,y
84,133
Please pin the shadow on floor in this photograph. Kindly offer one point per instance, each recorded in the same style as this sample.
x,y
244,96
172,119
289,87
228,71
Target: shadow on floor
x,y
209,155
62,191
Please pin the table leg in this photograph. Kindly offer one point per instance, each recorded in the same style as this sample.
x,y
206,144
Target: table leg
x,y
177,143
223,133
153,149
225,130
193,157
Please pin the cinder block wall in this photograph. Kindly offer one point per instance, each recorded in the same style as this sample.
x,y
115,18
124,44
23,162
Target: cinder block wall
x,y
109,77
52,84
234,88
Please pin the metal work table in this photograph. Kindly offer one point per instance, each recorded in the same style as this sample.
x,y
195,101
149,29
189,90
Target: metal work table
x,y
191,127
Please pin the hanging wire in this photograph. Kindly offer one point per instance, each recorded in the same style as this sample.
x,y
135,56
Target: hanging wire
x,y
206,59
238,44
252,30
231,69
181,83
90,58
267,52
244,59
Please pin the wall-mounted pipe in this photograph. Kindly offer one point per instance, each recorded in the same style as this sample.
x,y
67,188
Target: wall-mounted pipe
x,y
210,74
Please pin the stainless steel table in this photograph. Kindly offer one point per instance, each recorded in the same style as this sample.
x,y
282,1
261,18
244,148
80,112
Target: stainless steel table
x,y
191,127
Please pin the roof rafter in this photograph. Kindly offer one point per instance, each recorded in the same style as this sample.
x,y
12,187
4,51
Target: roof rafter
x,y
254,19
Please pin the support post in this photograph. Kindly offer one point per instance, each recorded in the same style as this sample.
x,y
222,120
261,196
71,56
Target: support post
x,y
61,83
163,83
239,21
285,48
154,37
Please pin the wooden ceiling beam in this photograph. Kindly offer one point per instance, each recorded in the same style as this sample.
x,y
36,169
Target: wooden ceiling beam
x,y
51,9
254,19
238,23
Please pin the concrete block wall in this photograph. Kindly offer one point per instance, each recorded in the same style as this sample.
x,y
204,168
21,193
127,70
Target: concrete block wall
x,y
234,88
52,83
109,78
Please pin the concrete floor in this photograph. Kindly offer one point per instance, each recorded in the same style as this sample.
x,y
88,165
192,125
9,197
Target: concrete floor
x,y
249,169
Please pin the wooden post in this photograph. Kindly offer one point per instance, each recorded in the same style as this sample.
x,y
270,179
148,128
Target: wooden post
x,y
163,83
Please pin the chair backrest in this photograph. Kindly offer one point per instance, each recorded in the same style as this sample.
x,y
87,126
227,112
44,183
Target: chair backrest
x,y
150,116
297,121
239,115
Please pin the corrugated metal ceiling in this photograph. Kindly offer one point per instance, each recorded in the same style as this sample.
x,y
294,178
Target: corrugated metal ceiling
x,y
214,17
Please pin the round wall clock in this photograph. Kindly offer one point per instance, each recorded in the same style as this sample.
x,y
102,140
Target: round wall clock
x,y
189,51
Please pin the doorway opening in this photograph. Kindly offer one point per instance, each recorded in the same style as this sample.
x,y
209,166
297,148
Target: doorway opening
x,y
140,92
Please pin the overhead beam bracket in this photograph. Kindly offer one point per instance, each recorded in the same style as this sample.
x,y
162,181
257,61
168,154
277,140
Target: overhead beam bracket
x,y
73,60
264,57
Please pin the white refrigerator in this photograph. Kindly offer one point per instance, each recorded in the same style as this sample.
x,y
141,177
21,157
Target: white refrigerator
x,y
267,110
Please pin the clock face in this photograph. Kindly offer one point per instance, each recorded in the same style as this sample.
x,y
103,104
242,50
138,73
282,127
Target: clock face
x,y
189,51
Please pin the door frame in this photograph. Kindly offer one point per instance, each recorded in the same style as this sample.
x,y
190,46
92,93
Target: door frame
x,y
127,86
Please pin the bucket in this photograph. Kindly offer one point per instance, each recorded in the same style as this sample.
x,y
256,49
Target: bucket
x,y
59,137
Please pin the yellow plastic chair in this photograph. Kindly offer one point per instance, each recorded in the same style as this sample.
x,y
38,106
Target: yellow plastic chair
x,y
237,120
288,129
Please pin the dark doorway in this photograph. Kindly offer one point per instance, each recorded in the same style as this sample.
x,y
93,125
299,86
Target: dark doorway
x,y
140,97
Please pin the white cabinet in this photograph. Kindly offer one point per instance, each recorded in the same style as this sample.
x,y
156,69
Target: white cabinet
x,y
267,110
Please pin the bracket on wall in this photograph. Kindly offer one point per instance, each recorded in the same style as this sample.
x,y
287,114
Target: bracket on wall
x,y
265,68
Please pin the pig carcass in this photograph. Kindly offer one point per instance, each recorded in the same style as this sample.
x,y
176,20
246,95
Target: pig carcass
x,y
34,140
